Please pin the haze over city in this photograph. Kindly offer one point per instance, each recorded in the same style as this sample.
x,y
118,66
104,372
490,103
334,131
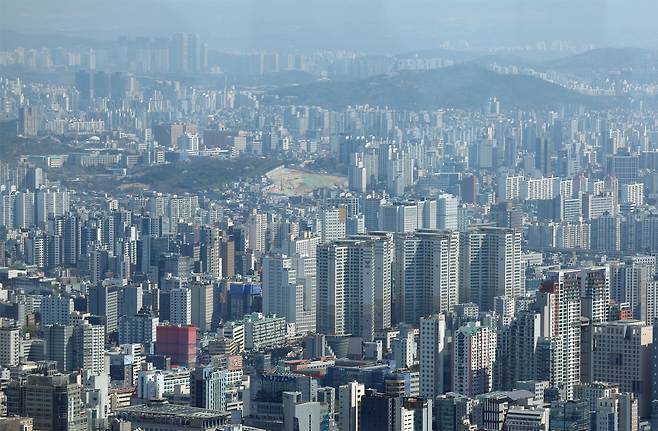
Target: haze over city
x,y
250,215
382,26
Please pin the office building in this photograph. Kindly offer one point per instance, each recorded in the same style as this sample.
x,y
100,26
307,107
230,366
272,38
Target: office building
x,y
201,305
159,414
525,419
622,354
28,123
89,347
139,329
60,346
624,167
103,300
446,212
286,294
208,388
300,415
262,331
606,233
257,228
56,310
516,353
132,299
178,343
244,298
180,306
53,402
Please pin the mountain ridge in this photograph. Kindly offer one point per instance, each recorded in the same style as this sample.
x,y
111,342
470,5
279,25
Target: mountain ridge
x,y
465,86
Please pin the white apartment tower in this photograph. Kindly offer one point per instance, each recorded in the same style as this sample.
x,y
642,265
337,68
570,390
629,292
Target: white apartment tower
x,y
474,354
332,223
490,265
432,355
347,277
426,269
257,229
288,292
559,302
89,347
10,346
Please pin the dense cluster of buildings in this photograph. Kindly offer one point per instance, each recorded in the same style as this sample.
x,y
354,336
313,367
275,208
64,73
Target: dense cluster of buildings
x,y
481,270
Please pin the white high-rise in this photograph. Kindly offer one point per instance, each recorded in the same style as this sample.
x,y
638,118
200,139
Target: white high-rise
x,y
357,174
490,265
403,350
383,252
559,302
347,277
446,213
279,296
595,293
474,354
257,229
89,347
332,223
632,284
349,403
24,209
400,217
426,271
288,292
301,253
432,355
651,308
632,193
10,346
50,202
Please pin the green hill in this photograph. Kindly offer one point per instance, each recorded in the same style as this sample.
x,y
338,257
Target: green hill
x,y
467,86
198,174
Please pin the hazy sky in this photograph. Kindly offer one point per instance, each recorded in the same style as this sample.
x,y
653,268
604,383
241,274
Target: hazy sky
x,y
369,25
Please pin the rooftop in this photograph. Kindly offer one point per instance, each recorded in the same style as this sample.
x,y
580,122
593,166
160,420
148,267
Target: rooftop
x,y
161,408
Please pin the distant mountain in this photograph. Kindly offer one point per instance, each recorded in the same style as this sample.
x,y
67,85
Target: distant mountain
x,y
467,86
11,39
274,80
440,53
606,59
503,60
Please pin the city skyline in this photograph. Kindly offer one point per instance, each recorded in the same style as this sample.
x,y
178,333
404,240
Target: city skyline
x,y
341,216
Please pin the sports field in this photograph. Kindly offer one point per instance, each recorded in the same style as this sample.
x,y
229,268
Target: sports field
x,y
297,182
